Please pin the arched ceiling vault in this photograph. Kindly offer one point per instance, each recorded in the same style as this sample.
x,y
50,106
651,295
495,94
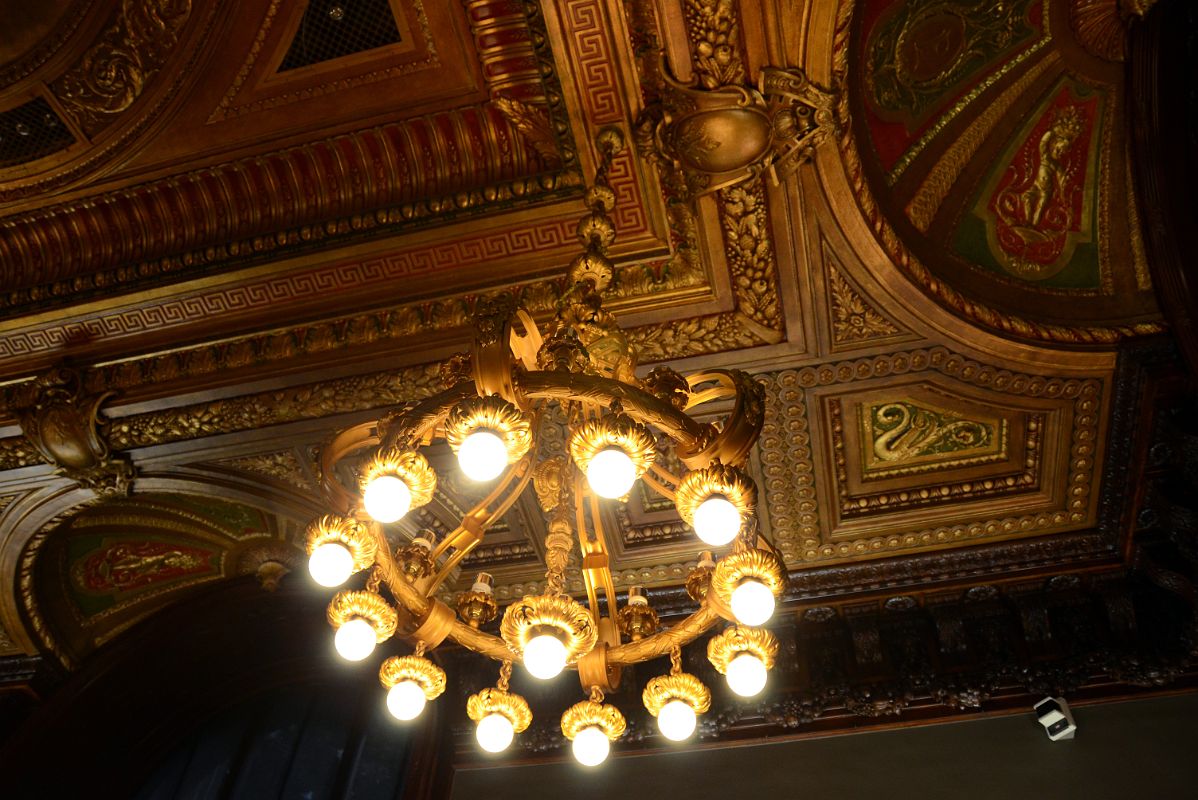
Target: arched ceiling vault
x,y
263,245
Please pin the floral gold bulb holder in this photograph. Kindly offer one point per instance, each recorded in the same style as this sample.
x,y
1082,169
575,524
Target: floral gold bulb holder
x,y
593,713
347,532
698,580
557,615
369,606
716,480
415,558
491,413
614,430
637,619
677,686
735,568
500,701
410,467
477,607
737,639
418,669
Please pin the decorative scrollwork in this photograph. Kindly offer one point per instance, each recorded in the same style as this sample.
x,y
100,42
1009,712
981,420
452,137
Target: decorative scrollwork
x,y
115,71
65,427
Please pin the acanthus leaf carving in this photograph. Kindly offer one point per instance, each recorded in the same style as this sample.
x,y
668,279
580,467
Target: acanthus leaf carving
x,y
114,72
854,319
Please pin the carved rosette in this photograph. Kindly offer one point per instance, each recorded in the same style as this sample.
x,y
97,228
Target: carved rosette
x,y
737,639
347,532
418,669
591,714
365,605
680,686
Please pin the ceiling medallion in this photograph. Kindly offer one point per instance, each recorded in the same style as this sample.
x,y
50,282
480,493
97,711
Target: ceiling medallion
x,y
489,416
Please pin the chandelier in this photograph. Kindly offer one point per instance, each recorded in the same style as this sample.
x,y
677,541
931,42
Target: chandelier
x,y
584,368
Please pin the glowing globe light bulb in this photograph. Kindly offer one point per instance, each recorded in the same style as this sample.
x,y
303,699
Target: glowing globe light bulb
x,y
355,639
387,498
406,700
591,746
611,473
331,564
746,675
676,720
752,603
494,733
545,656
717,520
483,455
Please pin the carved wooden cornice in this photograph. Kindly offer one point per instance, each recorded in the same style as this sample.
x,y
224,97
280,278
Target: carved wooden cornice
x,y
370,182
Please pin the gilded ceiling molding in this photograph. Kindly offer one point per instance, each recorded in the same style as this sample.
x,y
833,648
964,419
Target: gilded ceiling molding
x,y
312,401
930,431
902,257
42,634
533,123
28,63
283,466
272,203
789,467
64,425
128,126
228,108
115,70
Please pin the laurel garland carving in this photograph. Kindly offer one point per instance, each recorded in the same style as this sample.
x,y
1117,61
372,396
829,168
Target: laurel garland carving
x,y
358,393
750,253
114,72
714,31
896,249
283,466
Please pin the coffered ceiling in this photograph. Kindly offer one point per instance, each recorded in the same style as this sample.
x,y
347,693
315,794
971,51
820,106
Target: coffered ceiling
x,y
247,223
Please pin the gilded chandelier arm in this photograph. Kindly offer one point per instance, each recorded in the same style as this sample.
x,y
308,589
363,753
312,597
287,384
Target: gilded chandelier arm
x,y
662,642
